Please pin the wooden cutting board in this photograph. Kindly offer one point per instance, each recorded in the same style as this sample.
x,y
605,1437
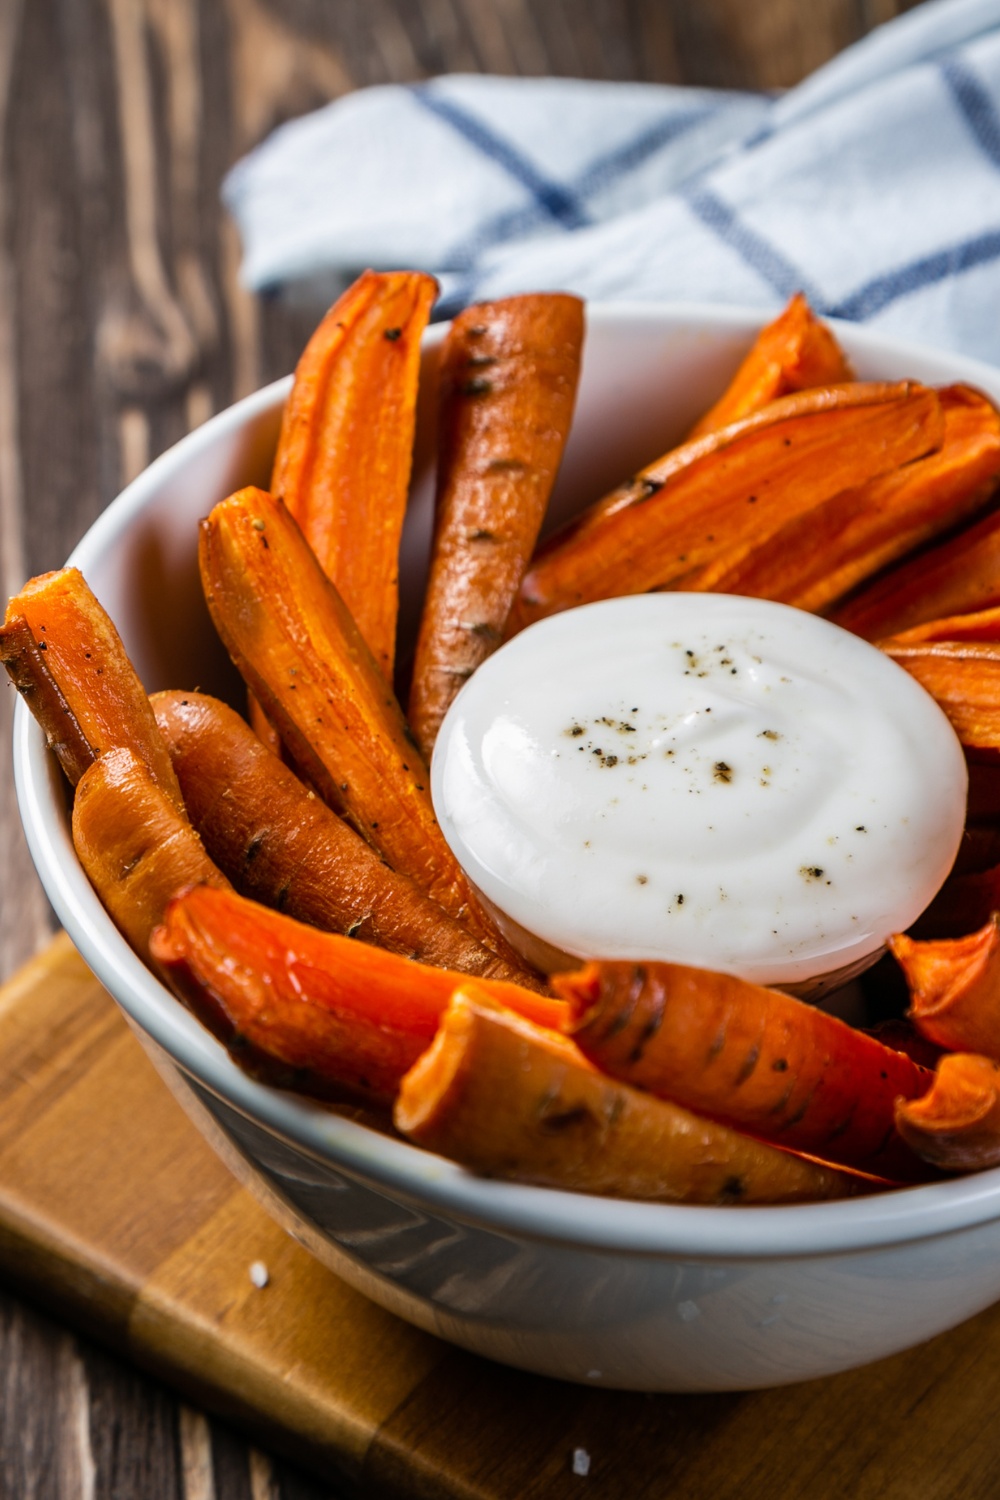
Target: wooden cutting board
x,y
115,1213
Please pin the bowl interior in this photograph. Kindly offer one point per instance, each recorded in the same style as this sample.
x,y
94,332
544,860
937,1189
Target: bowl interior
x,y
648,373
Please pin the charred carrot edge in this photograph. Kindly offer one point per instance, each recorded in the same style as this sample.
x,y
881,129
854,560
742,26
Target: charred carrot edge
x,y
954,986
68,661
343,461
750,1057
963,677
981,625
817,558
793,353
956,1125
292,637
311,1009
135,846
953,578
509,375
508,1099
696,509
281,845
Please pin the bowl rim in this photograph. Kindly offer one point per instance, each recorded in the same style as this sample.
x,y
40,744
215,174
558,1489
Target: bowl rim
x,y
402,1170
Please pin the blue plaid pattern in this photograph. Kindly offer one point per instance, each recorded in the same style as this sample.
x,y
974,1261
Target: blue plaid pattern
x,y
874,187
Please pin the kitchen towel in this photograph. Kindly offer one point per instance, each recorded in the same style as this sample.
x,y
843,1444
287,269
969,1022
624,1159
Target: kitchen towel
x,y
874,187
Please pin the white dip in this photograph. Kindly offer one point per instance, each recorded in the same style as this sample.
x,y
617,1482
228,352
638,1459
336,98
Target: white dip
x,y
701,778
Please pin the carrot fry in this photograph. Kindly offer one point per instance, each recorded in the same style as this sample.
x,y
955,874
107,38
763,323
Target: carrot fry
x,y
138,850
958,662
794,353
262,726
311,1009
346,445
954,988
282,846
292,637
953,578
816,558
690,514
508,384
749,1057
956,1125
67,659
508,1099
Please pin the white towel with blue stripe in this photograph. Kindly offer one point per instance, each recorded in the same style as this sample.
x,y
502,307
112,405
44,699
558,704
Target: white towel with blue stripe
x,y
874,187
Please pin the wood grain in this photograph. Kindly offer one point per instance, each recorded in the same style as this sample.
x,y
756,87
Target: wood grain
x,y
122,324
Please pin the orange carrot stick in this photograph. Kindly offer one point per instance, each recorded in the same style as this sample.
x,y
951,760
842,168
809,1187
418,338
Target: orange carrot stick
x,y
750,1057
958,662
346,445
956,1125
953,578
68,661
818,557
281,845
508,1099
292,637
711,498
954,988
508,384
794,353
138,850
306,1008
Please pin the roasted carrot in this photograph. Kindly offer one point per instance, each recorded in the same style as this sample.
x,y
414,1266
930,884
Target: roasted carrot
x,y
293,638
956,1125
817,557
68,661
343,461
955,577
138,850
311,1008
749,1057
793,353
696,509
281,845
509,1099
954,986
262,726
958,662
509,374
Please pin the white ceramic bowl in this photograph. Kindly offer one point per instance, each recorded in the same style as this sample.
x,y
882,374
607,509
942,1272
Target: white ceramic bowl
x,y
631,1295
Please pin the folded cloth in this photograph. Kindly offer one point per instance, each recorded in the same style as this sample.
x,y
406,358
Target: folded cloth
x,y
874,187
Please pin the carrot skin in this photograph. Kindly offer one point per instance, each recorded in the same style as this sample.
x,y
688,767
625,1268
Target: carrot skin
x,y
954,988
795,352
820,556
281,845
343,460
506,1098
293,639
311,1009
956,577
509,375
750,1057
68,661
138,850
692,512
955,1126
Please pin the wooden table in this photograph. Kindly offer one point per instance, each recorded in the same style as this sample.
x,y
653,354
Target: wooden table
x,y
122,325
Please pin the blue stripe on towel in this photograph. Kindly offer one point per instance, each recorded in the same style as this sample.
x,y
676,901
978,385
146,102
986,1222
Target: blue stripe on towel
x,y
976,106
557,202
929,269
762,257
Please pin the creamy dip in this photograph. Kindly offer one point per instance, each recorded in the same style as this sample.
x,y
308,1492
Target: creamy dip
x,y
702,778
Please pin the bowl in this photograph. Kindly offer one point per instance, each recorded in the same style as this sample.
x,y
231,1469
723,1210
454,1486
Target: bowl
x,y
622,1294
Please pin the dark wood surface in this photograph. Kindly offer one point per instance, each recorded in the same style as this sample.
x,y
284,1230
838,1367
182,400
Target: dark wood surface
x,y
121,326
